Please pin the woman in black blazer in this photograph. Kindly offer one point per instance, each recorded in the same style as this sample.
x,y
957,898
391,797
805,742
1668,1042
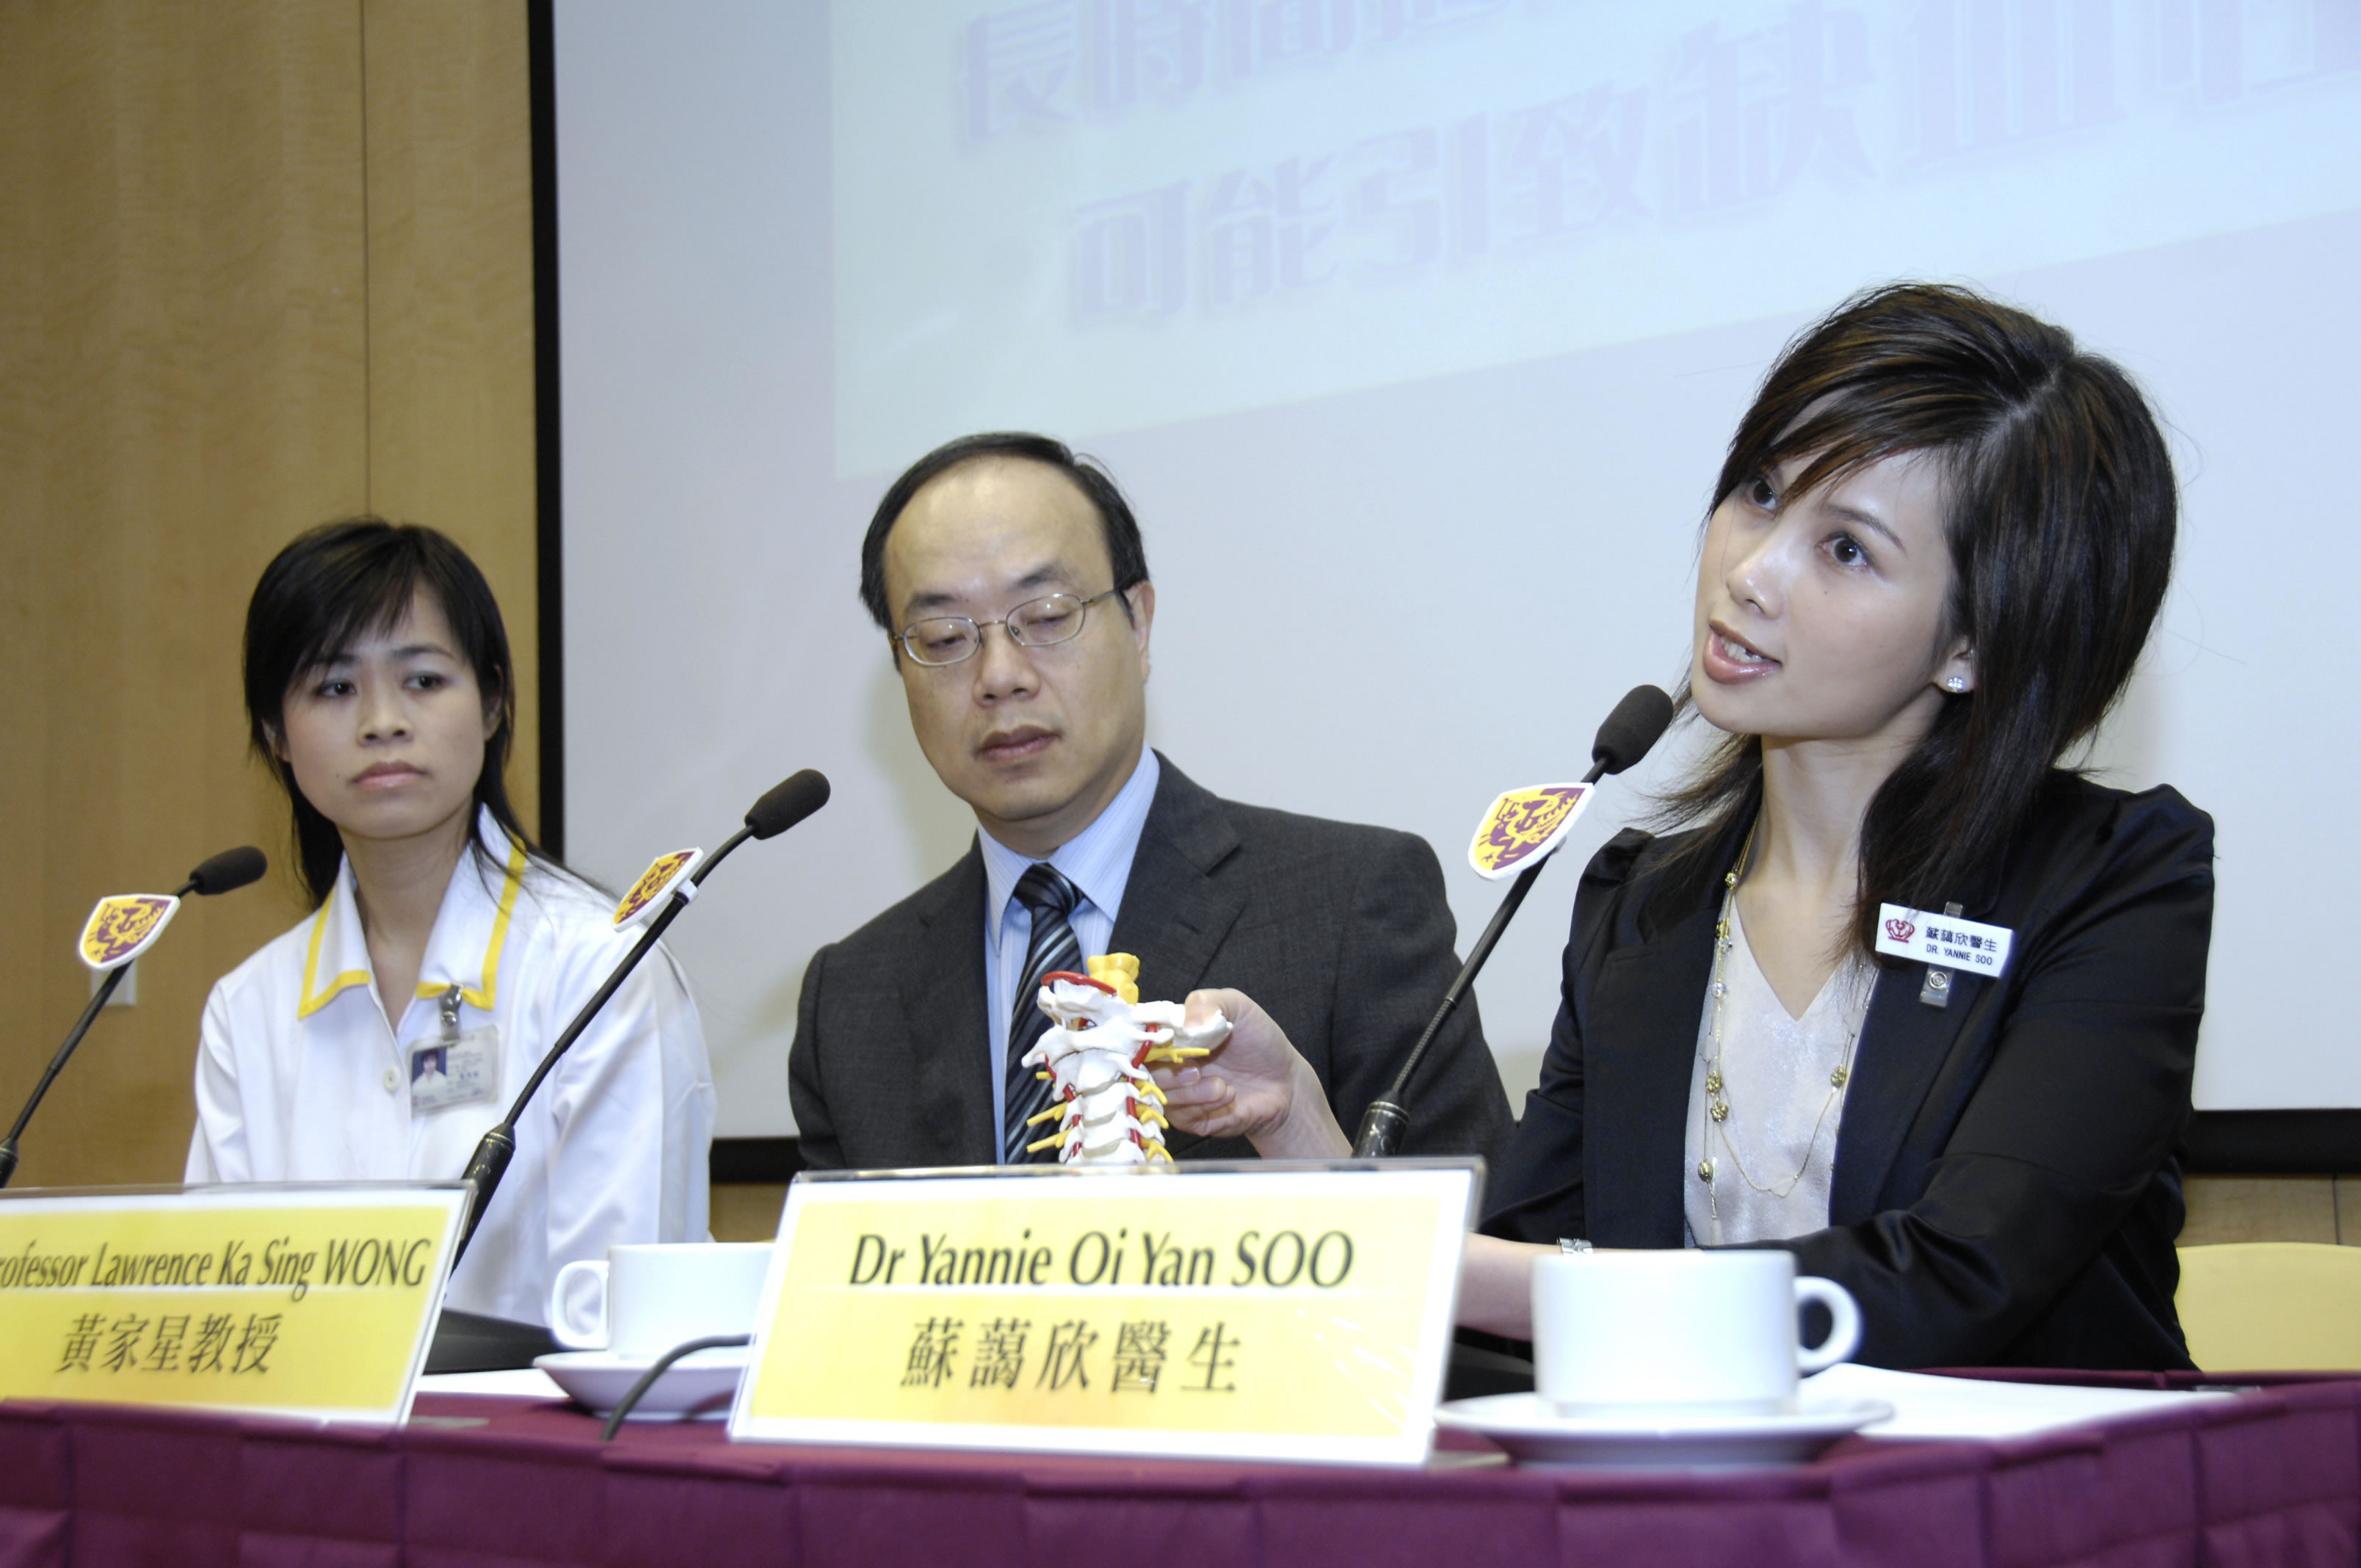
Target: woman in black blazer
x,y
1940,538
2005,1191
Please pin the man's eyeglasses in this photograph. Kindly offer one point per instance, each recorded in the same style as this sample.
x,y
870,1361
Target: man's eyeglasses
x,y
1036,623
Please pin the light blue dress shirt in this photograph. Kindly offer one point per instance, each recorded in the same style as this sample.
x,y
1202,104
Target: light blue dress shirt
x,y
1097,861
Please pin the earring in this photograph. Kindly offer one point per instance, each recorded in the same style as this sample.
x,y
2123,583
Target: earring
x,y
1956,685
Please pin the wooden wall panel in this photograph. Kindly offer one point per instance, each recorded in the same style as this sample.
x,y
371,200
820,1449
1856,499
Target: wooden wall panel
x,y
748,1211
2260,1209
450,289
185,390
189,324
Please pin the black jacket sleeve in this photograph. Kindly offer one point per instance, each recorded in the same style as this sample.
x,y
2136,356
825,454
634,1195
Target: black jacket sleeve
x,y
1538,1192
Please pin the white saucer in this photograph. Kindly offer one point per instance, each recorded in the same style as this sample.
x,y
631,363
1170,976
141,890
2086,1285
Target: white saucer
x,y
701,1383
1533,1432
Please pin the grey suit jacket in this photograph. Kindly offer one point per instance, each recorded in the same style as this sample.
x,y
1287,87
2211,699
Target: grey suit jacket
x,y
1340,932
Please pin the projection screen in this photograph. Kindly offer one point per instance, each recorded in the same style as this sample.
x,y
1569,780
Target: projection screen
x,y
1415,329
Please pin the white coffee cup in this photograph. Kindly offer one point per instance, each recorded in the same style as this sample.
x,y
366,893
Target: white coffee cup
x,y
651,1298
1685,1330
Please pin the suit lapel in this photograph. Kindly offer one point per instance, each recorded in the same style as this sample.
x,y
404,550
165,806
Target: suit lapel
x,y
1175,912
1640,1042
1903,1044
1641,1031
943,999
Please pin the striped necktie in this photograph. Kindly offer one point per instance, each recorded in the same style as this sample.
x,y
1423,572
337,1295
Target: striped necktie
x,y
1051,898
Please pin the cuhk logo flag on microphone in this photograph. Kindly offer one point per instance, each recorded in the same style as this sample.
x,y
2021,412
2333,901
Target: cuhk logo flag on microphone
x,y
1524,827
661,874
123,926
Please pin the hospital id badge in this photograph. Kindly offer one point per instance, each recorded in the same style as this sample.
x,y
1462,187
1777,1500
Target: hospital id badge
x,y
455,1069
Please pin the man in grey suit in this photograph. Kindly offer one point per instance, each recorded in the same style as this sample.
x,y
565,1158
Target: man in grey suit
x,y
1012,584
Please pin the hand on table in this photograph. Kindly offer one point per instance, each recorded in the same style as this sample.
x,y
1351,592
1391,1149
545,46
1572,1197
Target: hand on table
x,y
1255,1085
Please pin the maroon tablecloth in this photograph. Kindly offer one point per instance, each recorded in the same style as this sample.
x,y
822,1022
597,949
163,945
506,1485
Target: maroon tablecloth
x,y
2272,1477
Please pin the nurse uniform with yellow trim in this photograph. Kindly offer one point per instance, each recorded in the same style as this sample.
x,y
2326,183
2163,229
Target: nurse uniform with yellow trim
x,y
300,1078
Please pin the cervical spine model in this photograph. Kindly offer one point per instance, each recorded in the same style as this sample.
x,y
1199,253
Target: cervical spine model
x,y
1096,1055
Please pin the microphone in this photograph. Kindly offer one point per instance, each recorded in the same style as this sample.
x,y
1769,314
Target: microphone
x,y
786,804
225,872
1635,725
1629,732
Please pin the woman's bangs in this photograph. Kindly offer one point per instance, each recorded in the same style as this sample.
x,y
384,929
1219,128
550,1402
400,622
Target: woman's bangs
x,y
1840,436
370,602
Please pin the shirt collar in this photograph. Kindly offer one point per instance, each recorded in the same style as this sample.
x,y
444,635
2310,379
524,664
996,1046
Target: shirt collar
x,y
464,949
1097,859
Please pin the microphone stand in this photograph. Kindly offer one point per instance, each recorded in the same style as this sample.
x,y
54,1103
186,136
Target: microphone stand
x,y
489,1163
472,1341
1385,1122
98,999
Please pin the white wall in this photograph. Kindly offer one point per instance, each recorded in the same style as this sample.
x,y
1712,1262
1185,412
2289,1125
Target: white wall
x,y
1423,505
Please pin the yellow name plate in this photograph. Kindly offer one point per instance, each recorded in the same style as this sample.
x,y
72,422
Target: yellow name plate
x,y
304,1301
1258,1310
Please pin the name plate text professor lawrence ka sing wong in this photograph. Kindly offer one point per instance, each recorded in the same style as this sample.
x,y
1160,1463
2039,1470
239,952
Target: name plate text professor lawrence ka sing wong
x,y
300,1300
1258,1310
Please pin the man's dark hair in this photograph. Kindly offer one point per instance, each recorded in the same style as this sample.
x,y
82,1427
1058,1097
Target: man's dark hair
x,y
1124,552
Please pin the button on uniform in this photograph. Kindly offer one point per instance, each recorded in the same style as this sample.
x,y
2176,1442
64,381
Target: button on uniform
x,y
392,1081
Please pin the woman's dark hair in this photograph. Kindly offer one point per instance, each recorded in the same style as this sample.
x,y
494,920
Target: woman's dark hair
x,y
1124,552
344,580
2059,512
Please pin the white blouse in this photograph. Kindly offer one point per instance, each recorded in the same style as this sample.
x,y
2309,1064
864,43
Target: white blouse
x,y
301,1076
1783,1110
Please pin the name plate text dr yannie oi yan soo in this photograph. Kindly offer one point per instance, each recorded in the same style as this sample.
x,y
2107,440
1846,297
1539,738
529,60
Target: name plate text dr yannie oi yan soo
x,y
1259,1310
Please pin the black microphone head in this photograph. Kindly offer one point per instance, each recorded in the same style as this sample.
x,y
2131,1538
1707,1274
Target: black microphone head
x,y
1638,720
788,803
230,869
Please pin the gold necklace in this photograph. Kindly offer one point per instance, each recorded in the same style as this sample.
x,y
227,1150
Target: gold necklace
x,y
1717,1101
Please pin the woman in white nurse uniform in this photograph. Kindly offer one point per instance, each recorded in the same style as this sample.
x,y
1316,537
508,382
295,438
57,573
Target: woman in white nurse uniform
x,y
385,1033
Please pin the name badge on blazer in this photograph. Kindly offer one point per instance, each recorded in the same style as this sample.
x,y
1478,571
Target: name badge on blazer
x,y
1946,939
